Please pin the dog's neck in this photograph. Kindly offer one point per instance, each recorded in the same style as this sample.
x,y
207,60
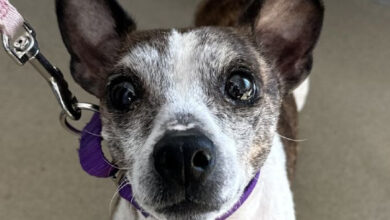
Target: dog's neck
x,y
270,200
272,197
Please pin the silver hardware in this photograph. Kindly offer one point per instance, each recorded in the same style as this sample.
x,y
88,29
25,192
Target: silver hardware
x,y
58,85
24,48
64,117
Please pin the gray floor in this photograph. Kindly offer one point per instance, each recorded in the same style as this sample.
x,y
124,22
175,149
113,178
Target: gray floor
x,y
344,166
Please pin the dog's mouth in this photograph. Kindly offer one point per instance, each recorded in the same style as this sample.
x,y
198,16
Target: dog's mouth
x,y
185,206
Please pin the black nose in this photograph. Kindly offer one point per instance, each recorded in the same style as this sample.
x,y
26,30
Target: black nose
x,y
185,157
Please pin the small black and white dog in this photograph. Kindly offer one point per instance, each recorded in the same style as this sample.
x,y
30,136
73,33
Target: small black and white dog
x,y
193,114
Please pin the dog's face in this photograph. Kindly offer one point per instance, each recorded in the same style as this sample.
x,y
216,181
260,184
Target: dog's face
x,y
190,114
208,85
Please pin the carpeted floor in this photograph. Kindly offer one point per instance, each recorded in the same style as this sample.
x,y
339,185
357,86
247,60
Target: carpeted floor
x,y
343,168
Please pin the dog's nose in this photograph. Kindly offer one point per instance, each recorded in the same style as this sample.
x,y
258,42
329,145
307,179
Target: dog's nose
x,y
185,157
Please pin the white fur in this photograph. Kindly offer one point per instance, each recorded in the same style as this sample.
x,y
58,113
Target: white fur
x,y
187,97
271,199
184,97
180,127
300,94
123,211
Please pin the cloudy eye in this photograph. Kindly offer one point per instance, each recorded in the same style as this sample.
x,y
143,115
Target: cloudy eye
x,y
241,87
122,95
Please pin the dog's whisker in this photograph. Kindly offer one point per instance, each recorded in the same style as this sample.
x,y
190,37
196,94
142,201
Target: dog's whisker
x,y
113,164
120,187
121,168
93,134
99,135
290,139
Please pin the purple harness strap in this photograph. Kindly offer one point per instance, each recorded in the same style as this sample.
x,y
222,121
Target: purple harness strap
x,y
91,156
93,162
244,197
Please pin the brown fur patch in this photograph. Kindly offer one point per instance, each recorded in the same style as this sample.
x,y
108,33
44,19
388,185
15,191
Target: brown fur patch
x,y
220,13
288,127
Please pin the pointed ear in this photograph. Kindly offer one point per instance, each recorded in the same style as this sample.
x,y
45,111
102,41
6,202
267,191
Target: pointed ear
x,y
92,31
286,31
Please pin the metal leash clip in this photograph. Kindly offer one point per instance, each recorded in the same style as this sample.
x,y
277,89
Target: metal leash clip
x,y
23,49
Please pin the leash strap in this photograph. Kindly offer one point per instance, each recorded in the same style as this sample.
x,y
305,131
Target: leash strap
x,y
10,19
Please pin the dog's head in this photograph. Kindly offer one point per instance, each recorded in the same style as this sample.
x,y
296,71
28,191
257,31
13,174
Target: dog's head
x,y
191,113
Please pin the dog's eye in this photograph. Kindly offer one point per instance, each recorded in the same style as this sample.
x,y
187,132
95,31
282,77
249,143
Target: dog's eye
x,y
241,87
122,95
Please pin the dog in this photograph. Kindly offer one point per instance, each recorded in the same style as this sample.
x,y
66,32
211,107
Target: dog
x,y
191,115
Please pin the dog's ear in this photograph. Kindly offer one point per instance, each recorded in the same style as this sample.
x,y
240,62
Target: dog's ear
x,y
286,31
92,31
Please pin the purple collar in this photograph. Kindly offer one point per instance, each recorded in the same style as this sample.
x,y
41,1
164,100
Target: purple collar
x,y
93,162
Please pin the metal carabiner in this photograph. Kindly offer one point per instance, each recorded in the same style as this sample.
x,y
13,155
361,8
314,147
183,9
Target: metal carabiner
x,y
25,49
82,106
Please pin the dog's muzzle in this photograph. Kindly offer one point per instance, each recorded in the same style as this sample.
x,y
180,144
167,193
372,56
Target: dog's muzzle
x,y
184,159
